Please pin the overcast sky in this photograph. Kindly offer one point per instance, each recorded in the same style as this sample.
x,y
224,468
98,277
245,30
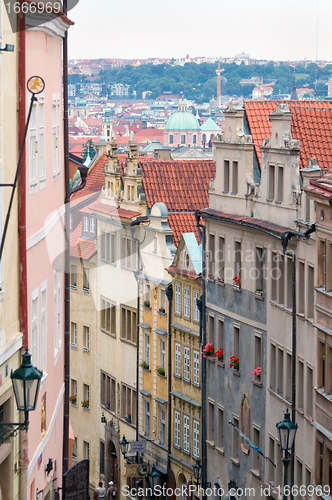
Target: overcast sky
x,y
265,29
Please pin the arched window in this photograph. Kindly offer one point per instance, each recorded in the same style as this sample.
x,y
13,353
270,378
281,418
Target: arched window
x,y
171,139
183,139
204,138
108,133
194,139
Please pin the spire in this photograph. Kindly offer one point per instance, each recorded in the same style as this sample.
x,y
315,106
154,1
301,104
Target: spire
x,y
294,96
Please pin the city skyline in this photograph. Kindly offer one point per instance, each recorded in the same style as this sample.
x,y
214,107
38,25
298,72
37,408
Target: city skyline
x,y
137,33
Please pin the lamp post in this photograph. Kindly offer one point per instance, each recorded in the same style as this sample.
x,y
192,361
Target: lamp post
x,y
26,382
154,479
198,471
124,445
286,432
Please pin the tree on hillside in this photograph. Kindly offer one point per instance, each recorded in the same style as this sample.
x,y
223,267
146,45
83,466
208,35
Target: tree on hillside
x,y
89,149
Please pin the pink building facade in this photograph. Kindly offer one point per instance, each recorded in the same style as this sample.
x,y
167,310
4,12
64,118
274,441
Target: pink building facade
x,y
45,195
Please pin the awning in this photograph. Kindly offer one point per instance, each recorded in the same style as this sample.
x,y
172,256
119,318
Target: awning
x,y
146,326
145,392
161,331
160,400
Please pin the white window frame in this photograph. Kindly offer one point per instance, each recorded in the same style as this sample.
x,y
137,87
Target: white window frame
x,y
43,329
177,429
56,161
128,252
92,224
196,438
196,359
186,429
163,353
147,417
186,363
33,150
42,152
162,430
147,349
57,310
196,310
85,224
35,327
86,330
186,310
177,299
178,359
74,343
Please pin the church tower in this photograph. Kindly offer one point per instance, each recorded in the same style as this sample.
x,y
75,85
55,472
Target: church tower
x,y
107,125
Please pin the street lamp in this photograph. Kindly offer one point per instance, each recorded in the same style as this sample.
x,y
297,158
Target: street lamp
x,y
198,471
154,478
103,418
124,445
286,432
26,382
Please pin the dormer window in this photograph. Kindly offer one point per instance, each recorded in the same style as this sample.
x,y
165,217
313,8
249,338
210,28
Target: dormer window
x,y
92,225
85,224
187,261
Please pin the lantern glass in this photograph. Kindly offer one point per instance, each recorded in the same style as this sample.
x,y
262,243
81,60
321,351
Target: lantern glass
x,y
286,432
197,470
124,445
26,383
154,478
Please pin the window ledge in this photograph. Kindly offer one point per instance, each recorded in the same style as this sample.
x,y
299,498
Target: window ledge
x,y
220,450
86,290
220,363
255,473
259,295
237,288
162,376
269,200
108,333
73,288
162,313
86,409
258,383
210,443
210,358
73,346
130,342
235,461
187,380
220,282
236,372
86,349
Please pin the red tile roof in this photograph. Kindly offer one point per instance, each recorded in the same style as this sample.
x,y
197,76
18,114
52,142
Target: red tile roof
x,y
263,225
322,186
181,185
184,272
182,222
311,125
95,179
110,210
79,247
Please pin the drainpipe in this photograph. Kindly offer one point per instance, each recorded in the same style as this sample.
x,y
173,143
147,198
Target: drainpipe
x,y
23,280
67,251
284,241
202,307
169,295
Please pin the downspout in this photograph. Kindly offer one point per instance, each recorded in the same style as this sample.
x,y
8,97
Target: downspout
x,y
67,251
23,280
202,308
169,295
284,241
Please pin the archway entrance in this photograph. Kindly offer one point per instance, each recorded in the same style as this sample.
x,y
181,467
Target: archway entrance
x,y
182,483
112,468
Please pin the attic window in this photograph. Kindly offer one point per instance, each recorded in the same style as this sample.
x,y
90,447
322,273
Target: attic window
x,y
322,215
187,261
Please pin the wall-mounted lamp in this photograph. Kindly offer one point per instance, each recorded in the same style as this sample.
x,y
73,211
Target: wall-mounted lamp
x,y
8,48
49,466
103,418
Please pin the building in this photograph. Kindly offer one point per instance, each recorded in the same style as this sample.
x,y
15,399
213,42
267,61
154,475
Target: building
x,y
182,128
11,331
43,198
120,89
186,411
256,198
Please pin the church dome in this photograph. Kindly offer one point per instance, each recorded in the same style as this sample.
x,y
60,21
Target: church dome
x,y
81,103
182,119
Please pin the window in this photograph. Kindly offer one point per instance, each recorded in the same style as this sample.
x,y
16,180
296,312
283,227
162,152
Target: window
x,y
33,166
255,454
211,256
220,432
309,386
274,275
196,367
235,440
194,139
211,330
237,267
301,288
92,225
273,368
210,432
107,247
183,139
280,195
43,328
34,328
163,354
226,176
236,342
86,392
177,299
196,310
147,418
220,260
128,324
86,449
280,364
107,391
73,390
86,338
86,281
281,280
196,438
128,252
235,178
162,426
101,457
289,285
271,468
128,403
310,296
186,366
73,276
300,385
85,224
258,355
321,364
162,305
186,302
75,450
299,471
322,263
56,134
260,257
147,349
41,152
220,334
107,316
177,429
186,434
271,182
177,360
171,139
288,391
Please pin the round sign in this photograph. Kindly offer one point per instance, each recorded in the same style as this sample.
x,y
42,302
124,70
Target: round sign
x,y
35,85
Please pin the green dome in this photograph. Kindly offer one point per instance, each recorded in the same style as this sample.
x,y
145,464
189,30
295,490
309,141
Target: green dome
x,y
182,120
81,103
